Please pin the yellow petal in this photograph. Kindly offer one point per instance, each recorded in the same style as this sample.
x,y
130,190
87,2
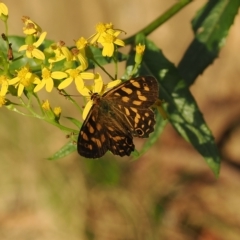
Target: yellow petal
x,y
23,48
49,85
38,54
140,48
39,86
3,9
4,89
2,100
108,49
119,42
87,109
13,81
84,91
83,61
58,75
79,82
57,111
113,32
56,59
113,83
29,31
65,83
66,53
20,90
98,84
81,43
46,105
28,75
37,80
87,75
29,54
94,38
40,40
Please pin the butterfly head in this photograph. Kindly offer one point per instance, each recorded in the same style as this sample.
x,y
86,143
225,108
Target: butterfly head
x,y
95,97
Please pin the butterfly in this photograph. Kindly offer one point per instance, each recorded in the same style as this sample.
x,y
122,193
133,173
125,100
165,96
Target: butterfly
x,y
117,116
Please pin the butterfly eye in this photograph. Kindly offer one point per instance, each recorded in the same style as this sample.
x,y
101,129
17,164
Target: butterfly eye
x,y
139,132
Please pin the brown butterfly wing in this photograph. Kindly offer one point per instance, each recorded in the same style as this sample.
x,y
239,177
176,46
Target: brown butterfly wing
x,y
100,133
132,100
120,114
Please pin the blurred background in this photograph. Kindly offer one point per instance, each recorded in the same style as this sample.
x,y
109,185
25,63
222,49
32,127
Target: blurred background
x,y
169,193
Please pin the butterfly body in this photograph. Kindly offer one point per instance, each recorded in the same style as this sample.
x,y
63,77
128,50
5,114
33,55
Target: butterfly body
x,y
117,116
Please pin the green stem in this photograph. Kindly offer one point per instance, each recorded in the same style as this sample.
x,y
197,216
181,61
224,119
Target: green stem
x,y
28,107
6,29
134,70
103,69
35,115
63,128
19,112
115,64
160,20
71,100
39,103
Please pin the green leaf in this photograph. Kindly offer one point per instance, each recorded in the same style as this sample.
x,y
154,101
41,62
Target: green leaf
x,y
182,109
211,26
16,43
74,121
160,124
68,148
101,60
18,60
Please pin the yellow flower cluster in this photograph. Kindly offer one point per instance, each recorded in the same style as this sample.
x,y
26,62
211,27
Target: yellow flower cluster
x,y
105,35
41,69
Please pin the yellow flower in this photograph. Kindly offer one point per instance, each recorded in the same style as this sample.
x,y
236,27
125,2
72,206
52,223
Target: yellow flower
x,y
57,112
107,36
81,43
3,9
109,25
61,52
49,113
30,26
77,76
80,56
100,29
98,87
4,82
23,80
108,40
139,53
140,48
80,53
46,105
2,100
47,79
31,49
